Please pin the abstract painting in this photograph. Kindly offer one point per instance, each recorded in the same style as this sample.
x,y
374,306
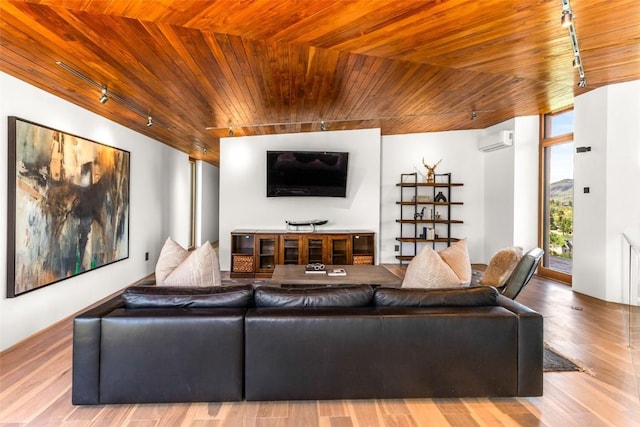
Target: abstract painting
x,y
68,206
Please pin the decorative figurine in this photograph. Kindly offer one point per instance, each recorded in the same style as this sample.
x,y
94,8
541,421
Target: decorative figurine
x,y
440,198
431,171
419,215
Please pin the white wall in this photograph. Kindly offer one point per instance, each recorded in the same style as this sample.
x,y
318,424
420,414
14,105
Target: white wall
x,y
158,198
511,188
608,120
499,178
207,202
526,171
375,169
243,200
589,217
457,149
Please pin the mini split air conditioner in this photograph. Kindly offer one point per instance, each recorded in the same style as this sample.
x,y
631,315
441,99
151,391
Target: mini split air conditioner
x,y
496,141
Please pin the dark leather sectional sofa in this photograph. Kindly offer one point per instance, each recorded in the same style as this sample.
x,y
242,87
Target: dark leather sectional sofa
x,y
153,344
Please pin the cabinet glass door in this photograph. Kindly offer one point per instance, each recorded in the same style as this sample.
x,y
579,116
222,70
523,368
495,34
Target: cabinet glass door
x,y
266,253
314,250
290,250
339,251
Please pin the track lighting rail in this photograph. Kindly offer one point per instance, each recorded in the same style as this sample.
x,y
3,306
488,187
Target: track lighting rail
x,y
567,21
106,94
324,122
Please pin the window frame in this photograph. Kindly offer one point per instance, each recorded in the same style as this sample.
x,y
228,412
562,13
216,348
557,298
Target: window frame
x,y
546,142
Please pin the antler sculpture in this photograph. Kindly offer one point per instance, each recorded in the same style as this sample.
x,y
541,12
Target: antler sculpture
x,y
431,171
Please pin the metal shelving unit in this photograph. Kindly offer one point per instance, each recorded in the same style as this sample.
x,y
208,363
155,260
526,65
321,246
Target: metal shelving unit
x,y
417,209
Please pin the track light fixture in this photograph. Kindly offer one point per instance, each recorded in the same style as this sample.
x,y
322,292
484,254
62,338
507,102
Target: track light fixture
x,y
149,121
577,62
567,22
230,130
566,19
323,126
474,116
104,97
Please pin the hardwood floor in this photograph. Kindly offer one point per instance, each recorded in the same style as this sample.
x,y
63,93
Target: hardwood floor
x,y
35,384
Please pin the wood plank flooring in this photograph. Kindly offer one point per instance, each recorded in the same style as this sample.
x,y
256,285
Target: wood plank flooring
x,y
35,384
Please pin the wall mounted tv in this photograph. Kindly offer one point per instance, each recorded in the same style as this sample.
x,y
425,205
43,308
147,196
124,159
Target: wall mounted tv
x,y
307,173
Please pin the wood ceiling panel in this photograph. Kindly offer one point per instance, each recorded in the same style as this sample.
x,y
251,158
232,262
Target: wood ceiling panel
x,y
274,66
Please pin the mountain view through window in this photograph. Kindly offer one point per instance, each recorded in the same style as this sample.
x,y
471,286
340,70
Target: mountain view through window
x,y
558,152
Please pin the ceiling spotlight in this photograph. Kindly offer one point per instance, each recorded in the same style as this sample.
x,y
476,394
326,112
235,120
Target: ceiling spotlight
x,y
149,121
566,19
104,98
230,130
323,126
577,62
474,116
582,82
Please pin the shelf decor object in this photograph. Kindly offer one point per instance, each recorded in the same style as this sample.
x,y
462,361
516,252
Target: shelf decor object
x,y
68,205
431,171
418,227
440,197
310,223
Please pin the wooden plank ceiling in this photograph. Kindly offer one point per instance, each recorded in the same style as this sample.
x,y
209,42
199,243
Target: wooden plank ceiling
x,y
280,66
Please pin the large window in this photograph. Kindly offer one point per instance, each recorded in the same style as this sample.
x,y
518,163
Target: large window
x,y
556,207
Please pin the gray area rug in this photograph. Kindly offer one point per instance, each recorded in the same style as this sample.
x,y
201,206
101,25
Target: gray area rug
x,y
554,362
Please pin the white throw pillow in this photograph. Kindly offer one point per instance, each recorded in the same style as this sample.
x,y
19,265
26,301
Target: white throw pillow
x,y
198,268
428,270
171,256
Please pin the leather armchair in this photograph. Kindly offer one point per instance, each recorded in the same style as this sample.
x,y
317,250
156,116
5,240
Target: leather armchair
x,y
522,273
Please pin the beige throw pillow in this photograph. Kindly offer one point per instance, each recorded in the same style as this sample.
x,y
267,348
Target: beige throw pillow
x,y
197,268
171,256
429,270
500,267
457,257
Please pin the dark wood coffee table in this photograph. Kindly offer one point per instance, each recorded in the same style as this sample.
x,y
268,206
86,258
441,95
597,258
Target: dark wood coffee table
x,y
294,275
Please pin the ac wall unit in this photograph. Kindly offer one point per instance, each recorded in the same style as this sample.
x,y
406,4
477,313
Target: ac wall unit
x,y
496,141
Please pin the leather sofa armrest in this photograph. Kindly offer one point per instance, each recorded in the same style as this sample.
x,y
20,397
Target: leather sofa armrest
x,y
530,347
86,352
170,355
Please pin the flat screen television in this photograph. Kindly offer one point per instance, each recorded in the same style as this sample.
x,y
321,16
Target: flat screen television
x,y
307,173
